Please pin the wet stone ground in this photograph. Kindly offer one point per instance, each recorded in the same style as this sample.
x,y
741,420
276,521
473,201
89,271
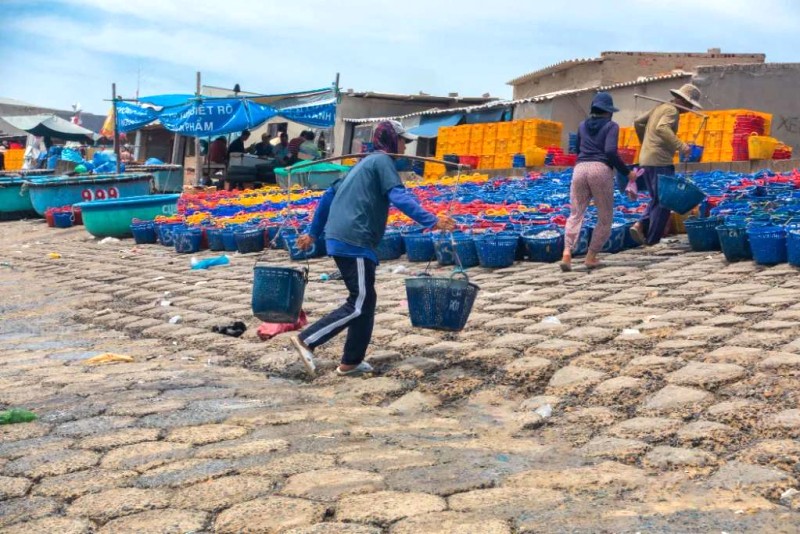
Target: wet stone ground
x,y
672,379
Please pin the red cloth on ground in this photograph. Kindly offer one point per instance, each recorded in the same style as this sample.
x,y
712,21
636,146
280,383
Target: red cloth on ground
x,y
269,330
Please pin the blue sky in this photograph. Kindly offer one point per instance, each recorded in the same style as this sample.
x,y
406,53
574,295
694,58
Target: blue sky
x,y
59,52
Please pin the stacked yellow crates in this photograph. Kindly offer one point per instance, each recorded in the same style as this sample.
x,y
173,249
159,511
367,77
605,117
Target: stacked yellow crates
x,y
716,134
495,143
14,159
629,140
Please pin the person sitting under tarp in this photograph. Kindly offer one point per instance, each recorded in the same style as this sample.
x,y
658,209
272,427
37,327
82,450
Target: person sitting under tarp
x,y
262,149
303,148
237,145
218,151
281,151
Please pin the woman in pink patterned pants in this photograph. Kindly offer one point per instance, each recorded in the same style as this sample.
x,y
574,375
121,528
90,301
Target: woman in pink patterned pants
x,y
593,179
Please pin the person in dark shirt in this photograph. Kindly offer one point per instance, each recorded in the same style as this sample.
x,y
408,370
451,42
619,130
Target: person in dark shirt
x,y
262,149
593,179
237,145
353,214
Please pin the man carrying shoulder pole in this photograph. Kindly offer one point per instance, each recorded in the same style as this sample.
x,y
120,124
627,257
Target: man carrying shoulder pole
x,y
657,132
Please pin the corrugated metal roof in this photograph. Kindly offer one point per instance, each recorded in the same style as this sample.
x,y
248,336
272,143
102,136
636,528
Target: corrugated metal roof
x,y
555,67
419,97
533,99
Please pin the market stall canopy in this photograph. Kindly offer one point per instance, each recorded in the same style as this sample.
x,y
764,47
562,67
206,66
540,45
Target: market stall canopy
x,y
208,116
429,124
49,126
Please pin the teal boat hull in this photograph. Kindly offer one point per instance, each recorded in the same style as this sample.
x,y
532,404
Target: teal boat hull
x,y
15,201
112,218
62,191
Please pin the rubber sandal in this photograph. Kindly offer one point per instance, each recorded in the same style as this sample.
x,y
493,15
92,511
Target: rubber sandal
x,y
306,356
362,368
565,267
637,235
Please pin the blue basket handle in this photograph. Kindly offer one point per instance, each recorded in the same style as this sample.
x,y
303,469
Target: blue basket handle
x,y
459,272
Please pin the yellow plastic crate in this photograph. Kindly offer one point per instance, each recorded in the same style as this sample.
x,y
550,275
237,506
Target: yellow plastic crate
x,y
487,162
503,161
713,139
489,146
503,130
761,146
476,135
517,128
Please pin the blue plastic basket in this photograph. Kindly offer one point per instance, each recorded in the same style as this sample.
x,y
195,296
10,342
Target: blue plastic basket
x,y
64,219
702,233
455,249
768,244
296,254
440,303
544,249
734,242
144,232
616,241
229,239
278,293
166,233
390,247
678,194
187,240
419,247
584,238
793,245
249,240
215,240
496,250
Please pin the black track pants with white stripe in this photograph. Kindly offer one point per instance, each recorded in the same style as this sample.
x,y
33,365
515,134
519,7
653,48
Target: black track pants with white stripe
x,y
357,314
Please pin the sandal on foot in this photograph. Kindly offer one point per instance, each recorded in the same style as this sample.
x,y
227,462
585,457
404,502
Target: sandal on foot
x,y
361,369
306,356
565,266
636,235
594,266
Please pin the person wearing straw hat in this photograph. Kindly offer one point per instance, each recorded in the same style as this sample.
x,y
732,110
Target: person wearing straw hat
x,y
593,179
353,215
657,132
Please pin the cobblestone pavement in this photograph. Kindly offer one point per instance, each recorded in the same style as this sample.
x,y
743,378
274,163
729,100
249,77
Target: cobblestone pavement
x,y
672,377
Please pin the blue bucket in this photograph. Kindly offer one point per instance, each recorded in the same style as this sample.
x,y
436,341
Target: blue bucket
x,y
278,293
215,241
768,244
734,242
678,194
249,240
793,245
695,154
419,247
702,233
144,232
440,303
544,249
187,240
64,219
390,247
496,250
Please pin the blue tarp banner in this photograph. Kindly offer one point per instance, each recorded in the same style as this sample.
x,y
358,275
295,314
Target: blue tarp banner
x,y
220,116
319,114
214,117
132,117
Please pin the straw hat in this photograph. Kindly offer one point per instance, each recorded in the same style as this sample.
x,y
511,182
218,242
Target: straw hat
x,y
690,93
